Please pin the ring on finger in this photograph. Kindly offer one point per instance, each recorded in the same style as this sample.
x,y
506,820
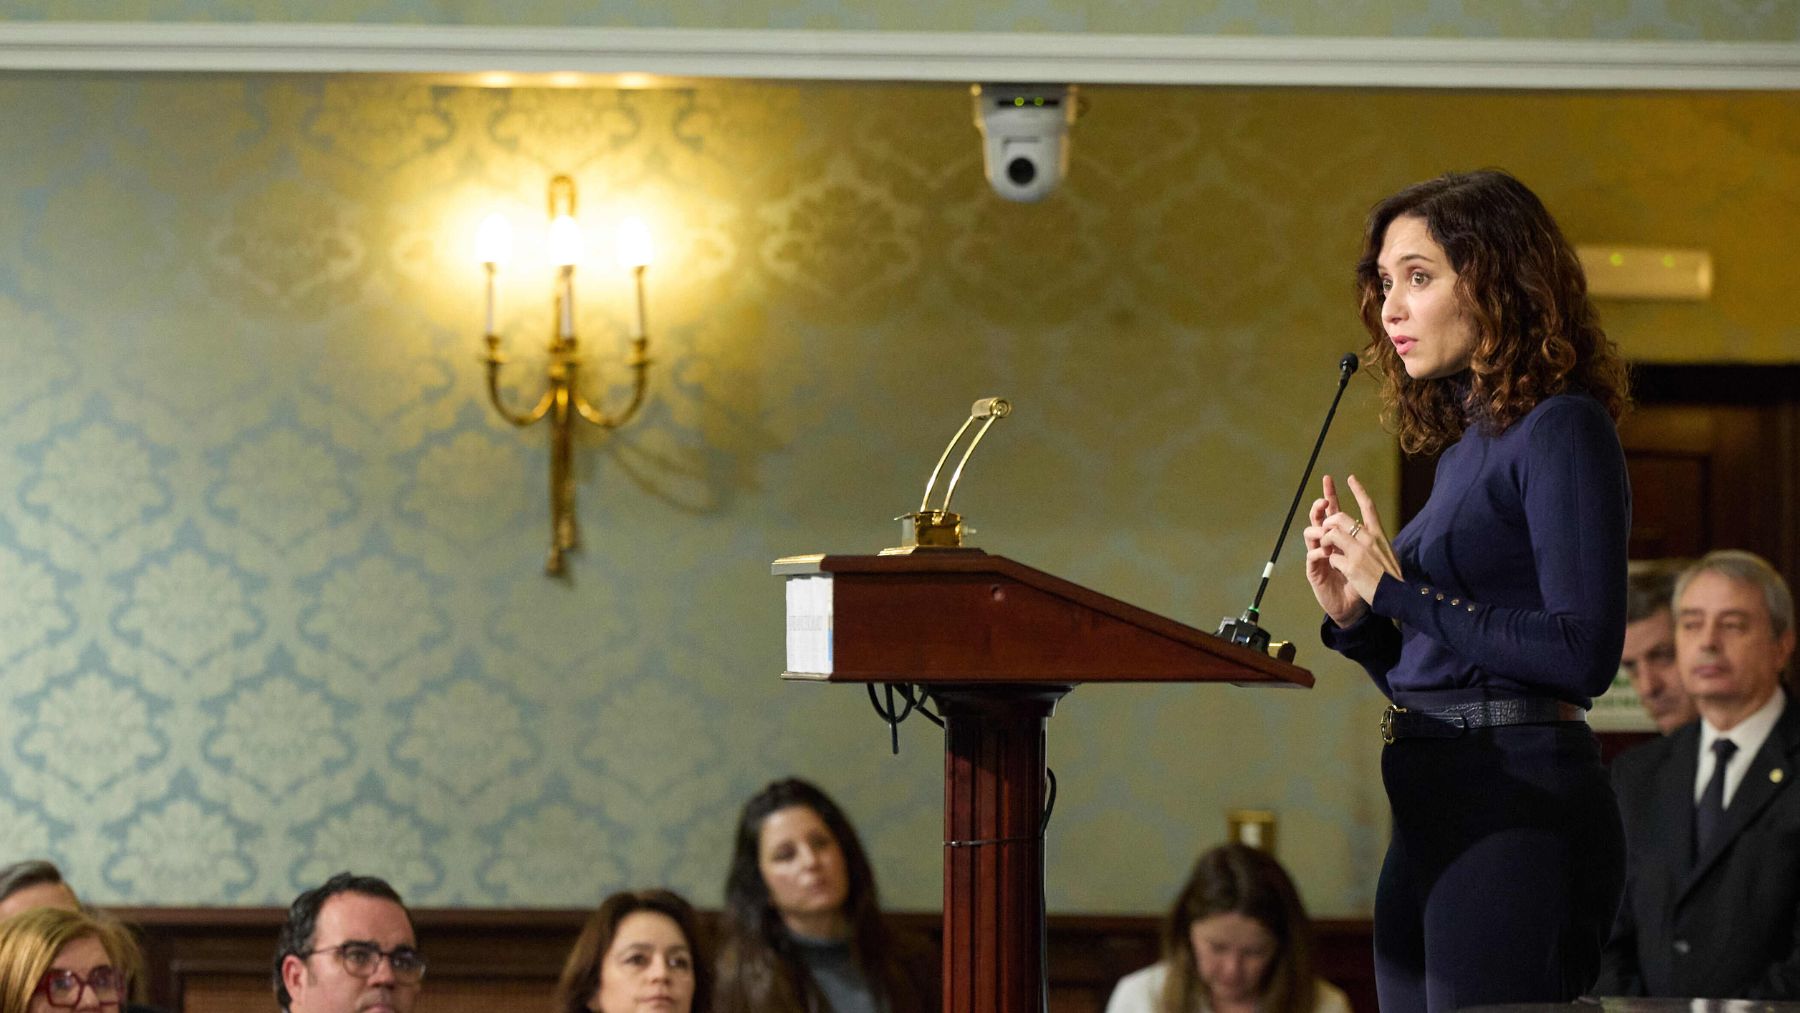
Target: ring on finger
x,y
1354,528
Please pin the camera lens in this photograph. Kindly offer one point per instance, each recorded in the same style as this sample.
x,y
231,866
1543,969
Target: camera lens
x,y
1021,171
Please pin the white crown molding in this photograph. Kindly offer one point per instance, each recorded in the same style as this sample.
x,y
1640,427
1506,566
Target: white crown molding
x,y
898,56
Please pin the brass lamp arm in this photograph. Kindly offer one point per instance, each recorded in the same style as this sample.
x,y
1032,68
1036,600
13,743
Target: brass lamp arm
x,y
989,410
494,361
931,483
956,476
640,364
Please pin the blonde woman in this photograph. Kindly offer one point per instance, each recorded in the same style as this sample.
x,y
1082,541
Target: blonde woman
x,y
51,959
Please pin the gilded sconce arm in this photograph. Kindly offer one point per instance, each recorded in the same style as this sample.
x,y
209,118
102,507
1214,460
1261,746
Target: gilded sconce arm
x,y
495,359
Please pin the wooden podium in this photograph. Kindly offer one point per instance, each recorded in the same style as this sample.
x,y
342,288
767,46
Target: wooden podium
x,y
996,644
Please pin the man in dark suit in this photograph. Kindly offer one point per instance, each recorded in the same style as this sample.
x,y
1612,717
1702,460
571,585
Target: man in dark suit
x,y
1649,656
1712,817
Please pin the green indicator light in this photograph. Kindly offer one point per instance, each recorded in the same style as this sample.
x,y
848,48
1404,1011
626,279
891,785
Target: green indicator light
x,y
1668,260
1616,260
1019,101
1038,101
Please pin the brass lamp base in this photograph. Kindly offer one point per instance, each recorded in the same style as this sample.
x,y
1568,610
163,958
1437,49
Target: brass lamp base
x,y
927,529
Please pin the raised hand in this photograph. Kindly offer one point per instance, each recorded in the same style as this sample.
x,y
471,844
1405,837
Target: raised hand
x,y
1359,550
1336,595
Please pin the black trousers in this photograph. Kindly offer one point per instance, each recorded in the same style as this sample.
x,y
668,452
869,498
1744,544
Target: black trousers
x,y
1505,869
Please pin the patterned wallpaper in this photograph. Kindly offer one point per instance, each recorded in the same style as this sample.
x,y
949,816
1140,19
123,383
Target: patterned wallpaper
x,y
1716,20
273,596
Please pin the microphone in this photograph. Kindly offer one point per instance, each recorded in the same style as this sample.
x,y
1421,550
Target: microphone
x,y
1244,629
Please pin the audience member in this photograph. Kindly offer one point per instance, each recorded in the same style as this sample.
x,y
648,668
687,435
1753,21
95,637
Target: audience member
x,y
36,883
52,958
802,927
347,947
1236,941
1649,655
1713,876
639,951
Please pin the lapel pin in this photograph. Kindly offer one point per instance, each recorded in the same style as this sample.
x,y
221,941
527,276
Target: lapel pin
x,y
1776,775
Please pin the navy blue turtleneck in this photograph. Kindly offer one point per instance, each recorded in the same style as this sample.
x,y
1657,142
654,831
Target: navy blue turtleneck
x,y
1514,572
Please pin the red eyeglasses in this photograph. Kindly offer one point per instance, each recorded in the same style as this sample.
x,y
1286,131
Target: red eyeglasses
x,y
63,988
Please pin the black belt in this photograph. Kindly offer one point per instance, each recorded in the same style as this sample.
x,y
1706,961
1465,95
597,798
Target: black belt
x,y
1451,721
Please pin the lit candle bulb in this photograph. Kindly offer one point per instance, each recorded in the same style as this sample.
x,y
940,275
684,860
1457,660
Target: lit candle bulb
x,y
634,252
565,250
493,245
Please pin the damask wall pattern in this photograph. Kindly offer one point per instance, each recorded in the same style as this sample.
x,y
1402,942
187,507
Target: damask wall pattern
x,y
274,604
1667,20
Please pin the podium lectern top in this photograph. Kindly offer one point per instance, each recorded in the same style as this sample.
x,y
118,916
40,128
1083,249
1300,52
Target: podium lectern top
x,y
961,616
995,643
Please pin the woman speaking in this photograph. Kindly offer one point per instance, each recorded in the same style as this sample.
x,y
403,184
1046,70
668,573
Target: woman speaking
x,y
1498,613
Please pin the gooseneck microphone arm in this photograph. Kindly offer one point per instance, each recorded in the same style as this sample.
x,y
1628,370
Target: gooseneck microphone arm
x,y
1245,630
1346,369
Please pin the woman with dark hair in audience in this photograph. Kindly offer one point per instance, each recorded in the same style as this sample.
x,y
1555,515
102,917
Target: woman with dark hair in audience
x,y
1236,941
1497,615
802,929
52,959
639,951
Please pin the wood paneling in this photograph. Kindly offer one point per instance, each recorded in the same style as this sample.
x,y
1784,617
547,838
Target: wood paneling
x,y
1714,453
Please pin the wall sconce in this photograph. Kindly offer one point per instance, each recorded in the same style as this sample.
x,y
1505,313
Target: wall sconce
x,y
562,401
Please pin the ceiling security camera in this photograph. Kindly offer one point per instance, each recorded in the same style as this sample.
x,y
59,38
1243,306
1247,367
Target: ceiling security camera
x,y
1025,135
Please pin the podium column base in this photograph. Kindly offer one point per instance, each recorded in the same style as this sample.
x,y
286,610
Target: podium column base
x,y
994,791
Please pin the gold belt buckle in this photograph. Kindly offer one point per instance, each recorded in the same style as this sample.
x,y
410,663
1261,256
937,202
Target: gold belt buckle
x,y
1387,723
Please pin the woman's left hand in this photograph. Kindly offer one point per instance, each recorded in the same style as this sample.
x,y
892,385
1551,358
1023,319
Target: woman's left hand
x,y
1362,550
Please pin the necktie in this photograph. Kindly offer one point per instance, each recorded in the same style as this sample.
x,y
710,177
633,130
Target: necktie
x,y
1711,813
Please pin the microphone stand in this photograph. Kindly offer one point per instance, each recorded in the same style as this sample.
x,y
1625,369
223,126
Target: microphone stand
x,y
1245,629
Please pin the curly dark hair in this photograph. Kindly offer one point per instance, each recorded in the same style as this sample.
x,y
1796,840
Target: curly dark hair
x,y
760,971
581,973
1518,280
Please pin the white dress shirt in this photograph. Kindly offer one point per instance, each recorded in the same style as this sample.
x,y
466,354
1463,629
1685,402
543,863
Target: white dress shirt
x,y
1749,734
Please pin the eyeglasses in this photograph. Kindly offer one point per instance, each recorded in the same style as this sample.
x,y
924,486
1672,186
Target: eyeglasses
x,y
361,959
63,988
